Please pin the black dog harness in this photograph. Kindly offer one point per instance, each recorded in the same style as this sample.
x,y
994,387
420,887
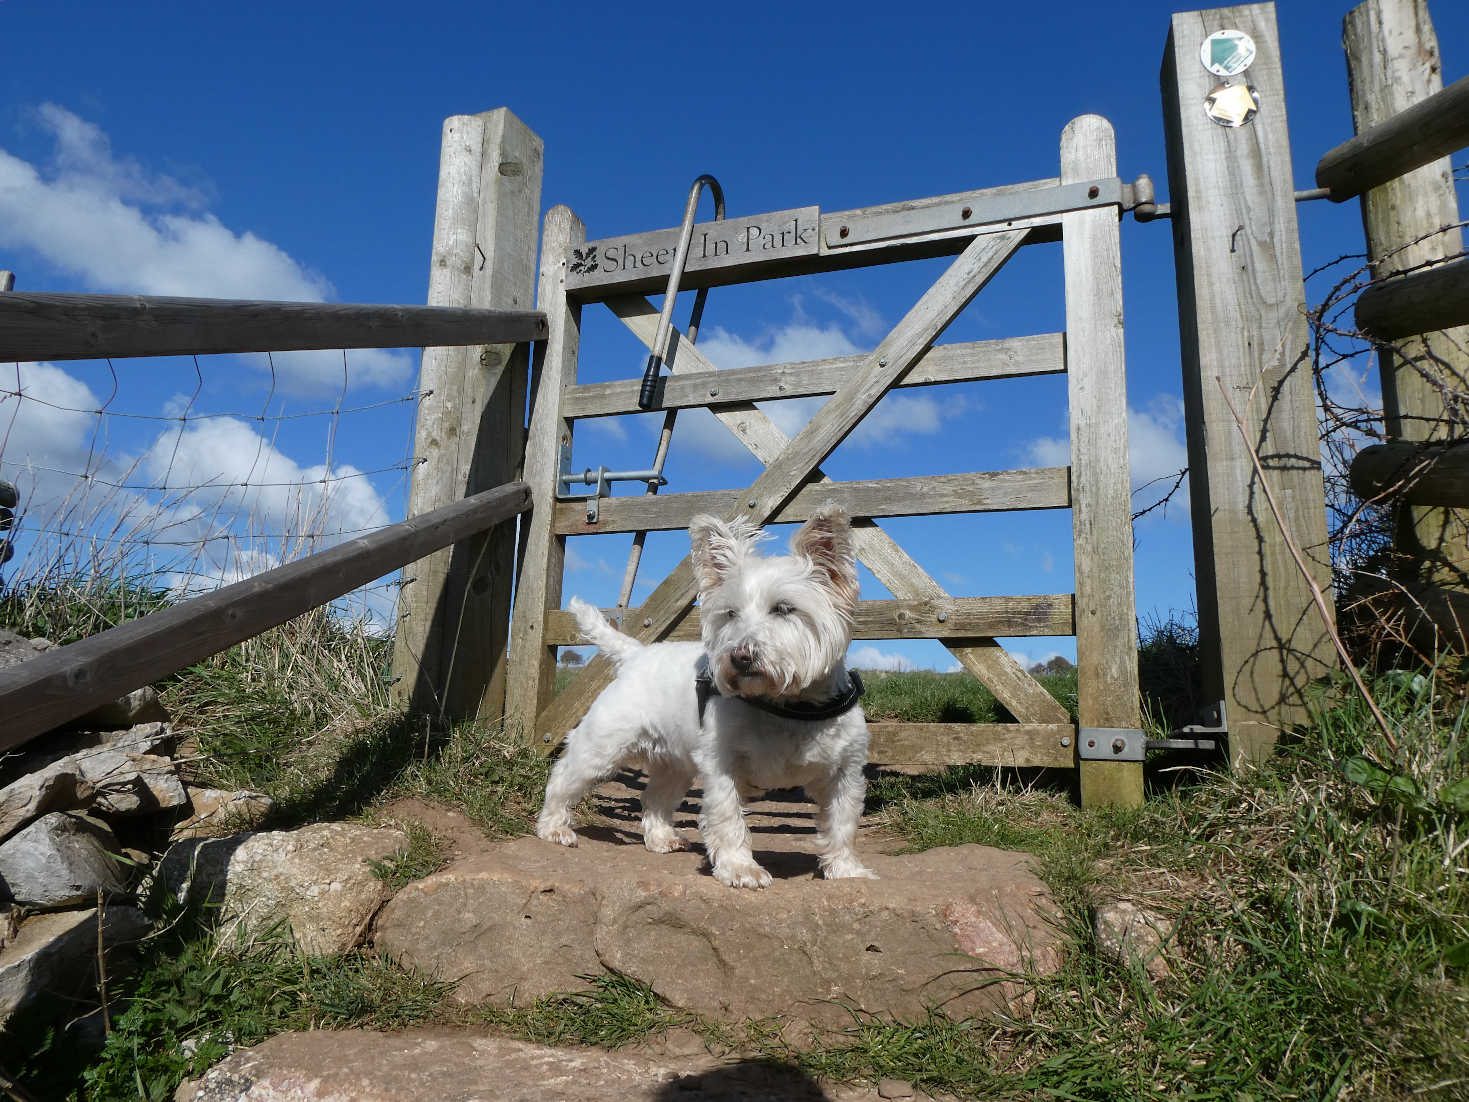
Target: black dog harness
x,y
811,711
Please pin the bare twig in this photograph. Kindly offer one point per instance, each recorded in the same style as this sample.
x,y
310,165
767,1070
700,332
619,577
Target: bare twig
x,y
1300,560
102,968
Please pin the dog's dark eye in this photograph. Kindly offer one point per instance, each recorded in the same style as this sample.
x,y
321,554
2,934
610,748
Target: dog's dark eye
x,y
732,613
783,608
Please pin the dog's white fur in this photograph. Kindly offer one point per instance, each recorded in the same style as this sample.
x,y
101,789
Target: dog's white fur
x,y
776,628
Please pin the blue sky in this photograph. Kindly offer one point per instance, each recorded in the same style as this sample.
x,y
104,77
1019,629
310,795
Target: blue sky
x,y
290,151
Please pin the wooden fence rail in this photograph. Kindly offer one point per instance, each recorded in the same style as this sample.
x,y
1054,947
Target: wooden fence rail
x,y
70,681
1414,473
1425,301
80,327
1432,128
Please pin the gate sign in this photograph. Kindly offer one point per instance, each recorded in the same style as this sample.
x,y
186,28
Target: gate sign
x,y
1227,53
731,242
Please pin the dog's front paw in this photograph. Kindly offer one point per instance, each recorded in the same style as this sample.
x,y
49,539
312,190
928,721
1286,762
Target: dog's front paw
x,y
562,836
741,874
846,868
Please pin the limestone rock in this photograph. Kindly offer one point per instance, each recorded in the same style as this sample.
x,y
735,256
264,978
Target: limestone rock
x,y
61,859
432,1065
126,775
15,649
1127,932
56,953
215,813
139,706
29,798
942,928
316,879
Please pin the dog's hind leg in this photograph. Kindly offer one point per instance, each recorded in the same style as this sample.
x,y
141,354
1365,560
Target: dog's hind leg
x,y
667,785
839,801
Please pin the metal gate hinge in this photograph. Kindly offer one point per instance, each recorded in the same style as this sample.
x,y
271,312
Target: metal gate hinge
x,y
1210,723
1131,744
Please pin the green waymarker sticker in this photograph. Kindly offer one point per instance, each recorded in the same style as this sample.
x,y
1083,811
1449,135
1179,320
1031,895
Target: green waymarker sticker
x,y
1227,53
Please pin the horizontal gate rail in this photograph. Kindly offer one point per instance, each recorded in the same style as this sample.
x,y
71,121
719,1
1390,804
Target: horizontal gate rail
x,y
1020,745
35,326
920,496
65,683
924,618
807,240
1042,354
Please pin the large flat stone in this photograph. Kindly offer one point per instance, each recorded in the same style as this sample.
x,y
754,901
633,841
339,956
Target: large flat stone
x,y
434,1065
947,928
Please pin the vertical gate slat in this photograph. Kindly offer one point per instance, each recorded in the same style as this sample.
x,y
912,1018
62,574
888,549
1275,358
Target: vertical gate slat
x,y
532,662
1106,625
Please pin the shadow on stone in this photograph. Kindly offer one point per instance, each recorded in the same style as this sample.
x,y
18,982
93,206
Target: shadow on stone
x,y
745,1081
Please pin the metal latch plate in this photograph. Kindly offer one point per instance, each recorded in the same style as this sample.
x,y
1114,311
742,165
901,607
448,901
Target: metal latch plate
x,y
1111,744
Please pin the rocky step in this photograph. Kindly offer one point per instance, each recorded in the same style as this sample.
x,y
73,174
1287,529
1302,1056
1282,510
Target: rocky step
x,y
952,928
432,1065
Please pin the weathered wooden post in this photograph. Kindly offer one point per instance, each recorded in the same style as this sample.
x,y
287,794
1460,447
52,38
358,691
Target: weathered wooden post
x,y
1106,620
449,656
1245,342
1393,63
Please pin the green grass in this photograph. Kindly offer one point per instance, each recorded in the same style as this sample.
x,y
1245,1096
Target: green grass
x,y
192,999
923,696
1321,901
616,1010
424,854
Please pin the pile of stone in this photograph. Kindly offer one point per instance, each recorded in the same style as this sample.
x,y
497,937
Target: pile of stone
x,y
84,813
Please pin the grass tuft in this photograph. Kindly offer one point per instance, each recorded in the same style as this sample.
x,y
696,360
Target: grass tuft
x,y
616,1010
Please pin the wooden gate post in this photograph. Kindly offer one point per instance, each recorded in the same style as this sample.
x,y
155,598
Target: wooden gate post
x,y
1393,63
1106,617
449,656
1245,341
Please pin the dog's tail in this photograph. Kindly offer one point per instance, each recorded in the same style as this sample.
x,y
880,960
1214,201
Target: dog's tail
x,y
611,642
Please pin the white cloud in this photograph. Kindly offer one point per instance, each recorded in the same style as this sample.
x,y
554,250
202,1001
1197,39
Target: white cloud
x,y
868,657
111,225
1157,451
1039,658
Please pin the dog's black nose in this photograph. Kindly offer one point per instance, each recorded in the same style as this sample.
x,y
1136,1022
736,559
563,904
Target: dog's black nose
x,y
742,658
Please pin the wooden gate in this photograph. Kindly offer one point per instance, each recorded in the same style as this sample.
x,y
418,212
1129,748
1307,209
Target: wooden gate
x,y
1081,207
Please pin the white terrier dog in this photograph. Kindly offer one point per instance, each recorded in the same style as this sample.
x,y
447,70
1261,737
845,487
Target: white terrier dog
x,y
764,701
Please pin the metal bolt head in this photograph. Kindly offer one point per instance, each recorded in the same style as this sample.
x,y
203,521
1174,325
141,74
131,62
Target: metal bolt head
x,y
1118,745
751,503
714,392
648,622
1065,741
943,617
546,737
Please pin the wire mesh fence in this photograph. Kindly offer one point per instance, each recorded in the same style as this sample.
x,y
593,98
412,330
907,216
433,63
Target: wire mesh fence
x,y
186,473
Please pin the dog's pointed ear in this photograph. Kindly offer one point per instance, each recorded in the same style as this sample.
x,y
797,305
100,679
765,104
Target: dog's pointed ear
x,y
826,539
718,548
